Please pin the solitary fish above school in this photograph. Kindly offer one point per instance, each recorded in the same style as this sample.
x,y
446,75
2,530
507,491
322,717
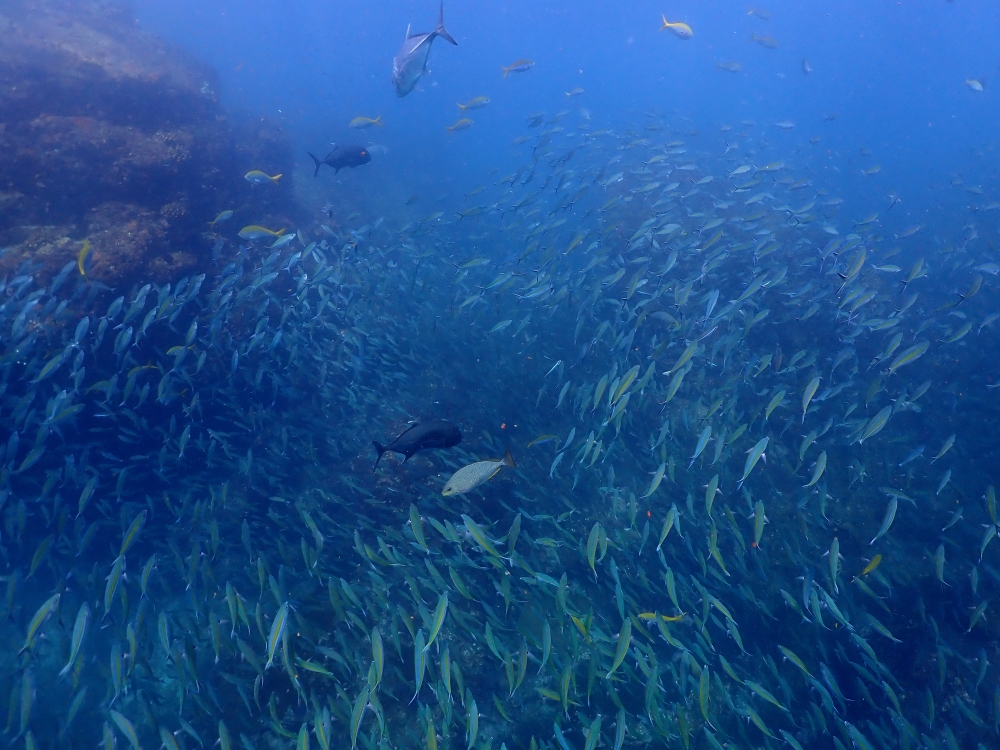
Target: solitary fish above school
x,y
462,124
469,477
343,156
426,436
474,103
411,61
765,41
256,177
678,29
366,122
518,66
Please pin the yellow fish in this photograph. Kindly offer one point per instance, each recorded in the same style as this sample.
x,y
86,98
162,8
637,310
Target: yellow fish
x,y
872,565
85,258
255,232
223,216
462,124
518,66
256,177
665,618
474,103
366,122
680,30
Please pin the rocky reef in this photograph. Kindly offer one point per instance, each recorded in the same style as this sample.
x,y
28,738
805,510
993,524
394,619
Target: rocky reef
x,y
111,135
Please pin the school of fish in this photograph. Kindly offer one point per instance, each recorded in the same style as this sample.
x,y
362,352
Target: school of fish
x,y
744,504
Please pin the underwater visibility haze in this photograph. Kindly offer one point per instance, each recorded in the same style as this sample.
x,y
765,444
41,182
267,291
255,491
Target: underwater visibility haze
x,y
553,376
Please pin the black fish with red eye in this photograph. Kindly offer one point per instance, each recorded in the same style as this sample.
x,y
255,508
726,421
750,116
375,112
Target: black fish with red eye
x,y
421,436
343,156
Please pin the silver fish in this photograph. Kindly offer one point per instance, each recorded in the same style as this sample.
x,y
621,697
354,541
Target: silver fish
x,y
469,477
411,61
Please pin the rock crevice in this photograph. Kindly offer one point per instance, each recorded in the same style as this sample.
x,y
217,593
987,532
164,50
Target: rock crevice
x,y
112,135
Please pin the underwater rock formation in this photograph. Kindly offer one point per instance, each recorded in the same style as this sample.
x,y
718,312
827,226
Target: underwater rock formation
x,y
109,134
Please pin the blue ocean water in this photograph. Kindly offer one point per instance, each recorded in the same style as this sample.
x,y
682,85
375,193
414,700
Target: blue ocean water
x,y
676,359
894,73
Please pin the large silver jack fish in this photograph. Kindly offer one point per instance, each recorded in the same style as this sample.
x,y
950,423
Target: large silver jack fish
x,y
411,61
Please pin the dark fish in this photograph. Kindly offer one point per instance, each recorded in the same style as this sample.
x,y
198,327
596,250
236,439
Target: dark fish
x,y
411,61
421,436
343,156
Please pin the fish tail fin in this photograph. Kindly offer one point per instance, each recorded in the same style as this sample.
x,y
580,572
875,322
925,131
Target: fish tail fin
x,y
280,232
509,459
276,178
505,71
318,163
665,23
381,449
461,107
378,121
441,31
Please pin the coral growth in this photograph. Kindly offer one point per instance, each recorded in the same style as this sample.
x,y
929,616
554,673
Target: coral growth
x,y
111,135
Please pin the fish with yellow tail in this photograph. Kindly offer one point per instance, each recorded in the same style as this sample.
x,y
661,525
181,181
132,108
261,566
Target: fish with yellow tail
x,y
678,29
474,103
462,124
277,631
255,232
256,177
366,122
518,66
665,618
85,258
469,477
